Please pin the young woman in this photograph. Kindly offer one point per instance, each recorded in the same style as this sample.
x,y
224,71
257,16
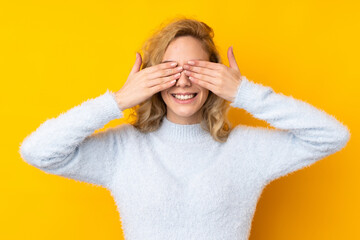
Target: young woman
x,y
180,171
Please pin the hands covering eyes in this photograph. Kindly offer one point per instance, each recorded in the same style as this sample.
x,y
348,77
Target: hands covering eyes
x,y
216,77
141,85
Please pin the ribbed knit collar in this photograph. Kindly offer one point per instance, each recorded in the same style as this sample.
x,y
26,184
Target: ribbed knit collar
x,y
182,133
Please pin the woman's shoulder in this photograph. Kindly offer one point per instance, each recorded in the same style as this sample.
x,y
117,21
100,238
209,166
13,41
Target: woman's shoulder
x,y
239,130
126,130
254,133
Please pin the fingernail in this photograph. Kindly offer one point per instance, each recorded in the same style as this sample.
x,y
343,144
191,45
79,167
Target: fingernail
x,y
191,62
173,64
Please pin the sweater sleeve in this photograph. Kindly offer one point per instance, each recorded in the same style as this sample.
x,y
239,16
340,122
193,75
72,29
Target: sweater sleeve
x,y
67,145
303,136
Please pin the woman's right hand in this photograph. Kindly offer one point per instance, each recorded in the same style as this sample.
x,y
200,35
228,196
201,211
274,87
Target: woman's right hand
x,y
141,85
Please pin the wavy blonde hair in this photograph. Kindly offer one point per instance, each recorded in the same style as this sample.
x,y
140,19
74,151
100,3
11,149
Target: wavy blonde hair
x,y
149,114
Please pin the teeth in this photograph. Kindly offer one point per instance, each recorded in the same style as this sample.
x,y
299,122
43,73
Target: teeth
x,y
184,97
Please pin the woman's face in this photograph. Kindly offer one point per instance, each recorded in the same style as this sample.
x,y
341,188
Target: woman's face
x,y
181,50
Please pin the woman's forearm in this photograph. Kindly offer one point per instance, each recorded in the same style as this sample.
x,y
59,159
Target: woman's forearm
x,y
67,139
307,133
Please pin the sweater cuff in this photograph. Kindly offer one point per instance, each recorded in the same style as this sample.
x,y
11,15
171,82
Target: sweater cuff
x,y
110,106
243,94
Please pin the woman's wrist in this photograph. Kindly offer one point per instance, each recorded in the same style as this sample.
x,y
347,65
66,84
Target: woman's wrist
x,y
119,101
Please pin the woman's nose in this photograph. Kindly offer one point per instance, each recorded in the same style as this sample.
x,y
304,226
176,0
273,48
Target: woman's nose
x,y
183,80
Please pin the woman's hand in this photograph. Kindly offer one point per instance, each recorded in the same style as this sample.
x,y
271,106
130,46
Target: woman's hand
x,y
218,78
141,85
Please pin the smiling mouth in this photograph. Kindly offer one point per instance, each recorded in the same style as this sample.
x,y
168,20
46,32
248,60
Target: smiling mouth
x,y
194,95
185,94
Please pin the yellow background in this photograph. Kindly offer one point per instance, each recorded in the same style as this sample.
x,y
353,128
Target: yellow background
x,y
56,54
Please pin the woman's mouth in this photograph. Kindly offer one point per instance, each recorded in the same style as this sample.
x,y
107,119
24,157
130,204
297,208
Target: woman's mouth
x,y
183,99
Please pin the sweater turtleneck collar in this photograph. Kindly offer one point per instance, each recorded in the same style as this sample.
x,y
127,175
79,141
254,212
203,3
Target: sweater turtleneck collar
x,y
184,133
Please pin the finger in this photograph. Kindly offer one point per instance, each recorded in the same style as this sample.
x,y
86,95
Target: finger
x,y
160,66
232,60
162,86
205,78
162,80
205,64
164,72
202,70
203,84
137,64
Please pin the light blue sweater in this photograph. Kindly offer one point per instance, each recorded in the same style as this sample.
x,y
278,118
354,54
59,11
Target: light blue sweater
x,y
178,183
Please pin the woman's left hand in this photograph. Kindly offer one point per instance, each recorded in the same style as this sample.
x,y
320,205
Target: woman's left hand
x,y
218,78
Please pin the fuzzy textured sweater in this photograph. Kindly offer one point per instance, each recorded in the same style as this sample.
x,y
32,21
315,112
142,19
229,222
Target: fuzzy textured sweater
x,y
177,182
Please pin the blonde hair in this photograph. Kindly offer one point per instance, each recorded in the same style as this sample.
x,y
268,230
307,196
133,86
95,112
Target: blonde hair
x,y
150,113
